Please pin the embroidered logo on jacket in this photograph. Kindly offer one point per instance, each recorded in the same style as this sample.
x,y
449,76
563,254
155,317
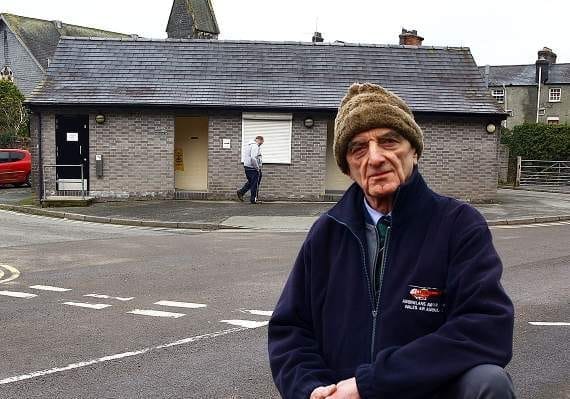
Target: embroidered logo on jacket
x,y
424,299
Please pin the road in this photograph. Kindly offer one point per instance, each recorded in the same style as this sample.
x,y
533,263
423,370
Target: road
x,y
181,314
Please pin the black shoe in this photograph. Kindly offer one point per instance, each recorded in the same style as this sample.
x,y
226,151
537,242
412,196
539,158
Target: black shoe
x,y
240,196
256,202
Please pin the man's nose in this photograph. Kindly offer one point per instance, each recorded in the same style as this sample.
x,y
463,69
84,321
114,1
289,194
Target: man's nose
x,y
376,153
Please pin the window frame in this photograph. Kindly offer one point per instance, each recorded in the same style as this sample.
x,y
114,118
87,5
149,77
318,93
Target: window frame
x,y
552,97
500,98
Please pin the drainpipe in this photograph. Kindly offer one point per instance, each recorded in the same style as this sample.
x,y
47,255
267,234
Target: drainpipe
x,y
506,104
40,184
538,98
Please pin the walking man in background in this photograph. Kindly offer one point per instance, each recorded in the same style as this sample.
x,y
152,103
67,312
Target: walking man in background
x,y
252,161
396,291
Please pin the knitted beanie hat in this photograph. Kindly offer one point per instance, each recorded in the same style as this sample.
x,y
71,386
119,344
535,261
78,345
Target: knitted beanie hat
x,y
367,106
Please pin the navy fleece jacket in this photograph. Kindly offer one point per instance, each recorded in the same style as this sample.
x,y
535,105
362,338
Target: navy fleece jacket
x,y
440,311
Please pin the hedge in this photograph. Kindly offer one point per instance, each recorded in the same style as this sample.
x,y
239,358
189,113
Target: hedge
x,y
538,141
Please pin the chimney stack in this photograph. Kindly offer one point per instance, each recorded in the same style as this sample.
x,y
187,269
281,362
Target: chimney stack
x,y
546,57
318,38
410,38
547,54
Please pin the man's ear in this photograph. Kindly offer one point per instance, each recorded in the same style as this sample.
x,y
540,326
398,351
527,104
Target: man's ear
x,y
415,158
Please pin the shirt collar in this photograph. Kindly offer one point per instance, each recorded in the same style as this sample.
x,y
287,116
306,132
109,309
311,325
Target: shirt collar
x,y
373,213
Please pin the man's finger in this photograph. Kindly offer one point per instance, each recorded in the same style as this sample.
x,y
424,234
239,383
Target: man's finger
x,y
323,392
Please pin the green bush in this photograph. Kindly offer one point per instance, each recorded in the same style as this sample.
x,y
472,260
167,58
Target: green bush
x,y
538,141
13,114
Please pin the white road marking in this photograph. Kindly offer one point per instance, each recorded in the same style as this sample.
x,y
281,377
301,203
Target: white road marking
x,y
156,313
548,323
118,298
268,313
119,356
189,305
49,288
14,273
246,323
15,294
520,226
97,306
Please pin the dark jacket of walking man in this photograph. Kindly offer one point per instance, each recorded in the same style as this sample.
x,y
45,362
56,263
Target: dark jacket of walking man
x,y
252,162
396,290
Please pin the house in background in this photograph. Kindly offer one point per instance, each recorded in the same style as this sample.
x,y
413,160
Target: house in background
x,y
517,88
28,45
167,118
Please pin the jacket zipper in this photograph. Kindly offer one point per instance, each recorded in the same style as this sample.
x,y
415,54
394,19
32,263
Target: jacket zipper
x,y
373,305
382,269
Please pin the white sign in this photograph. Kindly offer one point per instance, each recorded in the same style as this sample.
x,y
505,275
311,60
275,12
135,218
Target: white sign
x,y
226,143
72,136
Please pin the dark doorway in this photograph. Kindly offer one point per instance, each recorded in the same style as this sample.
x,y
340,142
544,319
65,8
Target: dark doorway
x,y
72,148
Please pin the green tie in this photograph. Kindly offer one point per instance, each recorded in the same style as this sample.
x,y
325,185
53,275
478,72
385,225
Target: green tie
x,y
382,228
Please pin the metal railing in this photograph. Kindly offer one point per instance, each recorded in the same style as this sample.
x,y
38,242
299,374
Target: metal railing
x,y
534,172
80,166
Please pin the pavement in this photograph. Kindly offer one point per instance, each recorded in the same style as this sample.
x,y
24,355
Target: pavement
x,y
510,207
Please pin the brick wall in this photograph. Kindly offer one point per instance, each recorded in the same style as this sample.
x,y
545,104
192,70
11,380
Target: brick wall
x,y
304,178
460,158
27,73
137,150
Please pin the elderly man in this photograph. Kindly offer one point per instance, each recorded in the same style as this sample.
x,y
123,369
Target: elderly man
x,y
396,290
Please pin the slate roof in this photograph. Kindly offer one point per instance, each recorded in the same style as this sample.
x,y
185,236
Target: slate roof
x,y
524,75
244,74
41,36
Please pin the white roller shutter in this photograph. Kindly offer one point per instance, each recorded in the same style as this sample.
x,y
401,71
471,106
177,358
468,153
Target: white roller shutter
x,y
276,130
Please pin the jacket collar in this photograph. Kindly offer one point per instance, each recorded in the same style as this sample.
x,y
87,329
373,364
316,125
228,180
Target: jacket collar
x,y
407,203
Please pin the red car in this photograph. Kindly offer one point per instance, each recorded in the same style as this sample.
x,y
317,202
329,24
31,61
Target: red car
x,y
15,167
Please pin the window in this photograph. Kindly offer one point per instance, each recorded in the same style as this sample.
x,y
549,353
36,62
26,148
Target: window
x,y
553,120
276,131
554,95
17,156
542,111
499,95
4,157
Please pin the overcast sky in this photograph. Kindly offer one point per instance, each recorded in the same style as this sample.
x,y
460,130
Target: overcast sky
x,y
499,32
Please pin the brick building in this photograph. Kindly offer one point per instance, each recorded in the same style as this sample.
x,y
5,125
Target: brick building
x,y
167,118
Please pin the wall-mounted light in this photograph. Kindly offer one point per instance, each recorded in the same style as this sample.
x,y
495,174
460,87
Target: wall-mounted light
x,y
100,118
491,128
309,122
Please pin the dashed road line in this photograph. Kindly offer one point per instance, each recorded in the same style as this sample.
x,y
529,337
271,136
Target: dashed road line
x,y
156,313
119,356
118,298
49,288
246,323
548,323
15,294
176,304
96,306
268,313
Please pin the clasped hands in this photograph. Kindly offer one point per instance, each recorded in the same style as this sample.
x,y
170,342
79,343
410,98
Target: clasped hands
x,y
345,389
